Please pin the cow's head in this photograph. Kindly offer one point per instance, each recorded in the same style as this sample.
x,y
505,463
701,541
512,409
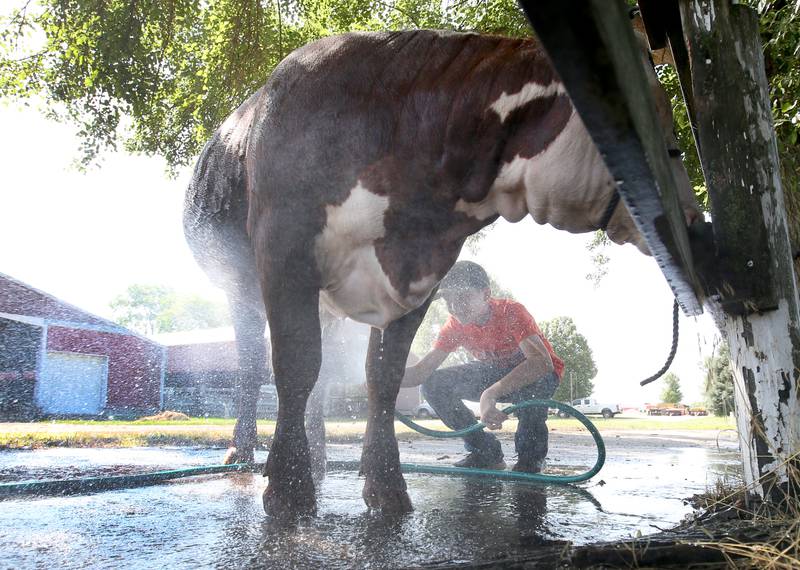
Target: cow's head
x,y
553,158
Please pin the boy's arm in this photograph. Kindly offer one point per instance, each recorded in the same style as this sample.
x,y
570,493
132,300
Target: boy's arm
x,y
537,363
421,371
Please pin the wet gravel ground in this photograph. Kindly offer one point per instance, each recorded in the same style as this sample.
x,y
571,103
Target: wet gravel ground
x,y
218,521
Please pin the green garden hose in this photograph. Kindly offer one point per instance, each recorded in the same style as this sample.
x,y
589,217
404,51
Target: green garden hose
x,y
109,483
515,475
96,484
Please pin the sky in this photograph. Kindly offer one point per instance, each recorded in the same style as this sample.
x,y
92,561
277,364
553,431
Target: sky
x,y
85,237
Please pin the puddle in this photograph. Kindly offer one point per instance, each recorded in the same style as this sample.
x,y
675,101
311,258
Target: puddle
x,y
218,521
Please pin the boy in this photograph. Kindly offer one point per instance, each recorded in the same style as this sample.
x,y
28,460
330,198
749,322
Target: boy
x,y
514,362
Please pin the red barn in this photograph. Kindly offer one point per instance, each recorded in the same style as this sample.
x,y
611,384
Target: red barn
x,y
202,374
58,360
202,370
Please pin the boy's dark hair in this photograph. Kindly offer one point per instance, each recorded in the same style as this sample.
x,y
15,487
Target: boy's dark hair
x,y
465,275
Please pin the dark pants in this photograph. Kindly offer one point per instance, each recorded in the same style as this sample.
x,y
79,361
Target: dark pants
x,y
446,387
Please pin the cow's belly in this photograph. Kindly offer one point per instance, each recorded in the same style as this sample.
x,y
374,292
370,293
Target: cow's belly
x,y
357,287
353,282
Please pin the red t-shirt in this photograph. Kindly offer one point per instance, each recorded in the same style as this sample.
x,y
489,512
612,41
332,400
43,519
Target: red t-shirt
x,y
498,339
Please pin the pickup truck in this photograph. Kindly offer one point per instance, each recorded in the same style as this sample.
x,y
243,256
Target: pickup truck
x,y
590,406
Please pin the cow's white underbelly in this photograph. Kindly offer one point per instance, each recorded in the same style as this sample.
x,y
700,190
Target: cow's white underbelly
x,y
353,282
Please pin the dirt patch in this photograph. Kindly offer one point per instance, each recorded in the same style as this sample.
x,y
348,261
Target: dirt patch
x,y
166,416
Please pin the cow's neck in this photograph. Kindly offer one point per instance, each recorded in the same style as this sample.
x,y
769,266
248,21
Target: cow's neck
x,y
547,166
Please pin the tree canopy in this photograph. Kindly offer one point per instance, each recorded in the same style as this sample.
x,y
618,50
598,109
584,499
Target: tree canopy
x,y
573,348
152,309
672,389
719,382
159,76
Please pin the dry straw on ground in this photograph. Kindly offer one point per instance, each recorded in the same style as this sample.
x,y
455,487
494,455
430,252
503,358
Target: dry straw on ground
x,y
761,534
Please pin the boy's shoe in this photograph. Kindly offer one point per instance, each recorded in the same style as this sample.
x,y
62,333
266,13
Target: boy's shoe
x,y
529,466
477,460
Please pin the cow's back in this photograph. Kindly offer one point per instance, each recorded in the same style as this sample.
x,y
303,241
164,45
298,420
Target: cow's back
x,y
341,104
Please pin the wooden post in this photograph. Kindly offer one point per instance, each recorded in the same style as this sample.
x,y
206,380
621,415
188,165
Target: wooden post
x,y
760,296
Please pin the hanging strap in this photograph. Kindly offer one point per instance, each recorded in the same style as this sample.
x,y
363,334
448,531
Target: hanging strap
x,y
612,206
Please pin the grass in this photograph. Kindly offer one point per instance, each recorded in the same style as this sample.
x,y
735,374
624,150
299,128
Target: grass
x,y
110,439
780,523
217,432
617,423
189,422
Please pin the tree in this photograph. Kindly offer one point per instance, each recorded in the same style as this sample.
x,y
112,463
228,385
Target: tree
x,y
672,389
141,306
189,312
177,68
719,382
573,348
151,309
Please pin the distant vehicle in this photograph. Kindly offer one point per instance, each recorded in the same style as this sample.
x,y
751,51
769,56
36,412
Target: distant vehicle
x,y
591,407
664,409
425,410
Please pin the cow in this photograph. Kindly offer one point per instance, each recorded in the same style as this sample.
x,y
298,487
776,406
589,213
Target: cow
x,y
350,181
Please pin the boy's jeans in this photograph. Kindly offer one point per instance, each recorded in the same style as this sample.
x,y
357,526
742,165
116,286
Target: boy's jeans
x,y
446,387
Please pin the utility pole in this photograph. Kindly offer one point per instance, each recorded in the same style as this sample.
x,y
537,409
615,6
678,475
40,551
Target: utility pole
x,y
571,386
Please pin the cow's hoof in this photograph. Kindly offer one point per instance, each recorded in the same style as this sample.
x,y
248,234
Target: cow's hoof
x,y
234,455
289,506
390,499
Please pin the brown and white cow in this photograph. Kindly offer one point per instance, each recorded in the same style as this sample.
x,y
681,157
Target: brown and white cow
x,y
351,180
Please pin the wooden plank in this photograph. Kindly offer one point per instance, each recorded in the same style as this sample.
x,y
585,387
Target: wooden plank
x,y
592,46
760,294
662,20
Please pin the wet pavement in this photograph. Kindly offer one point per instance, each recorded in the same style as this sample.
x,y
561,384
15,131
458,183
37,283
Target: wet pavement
x,y
218,521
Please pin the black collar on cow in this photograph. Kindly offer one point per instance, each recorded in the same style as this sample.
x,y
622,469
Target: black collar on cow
x,y
614,201
612,206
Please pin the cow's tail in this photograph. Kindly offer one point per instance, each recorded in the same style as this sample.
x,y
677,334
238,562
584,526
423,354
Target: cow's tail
x,y
215,218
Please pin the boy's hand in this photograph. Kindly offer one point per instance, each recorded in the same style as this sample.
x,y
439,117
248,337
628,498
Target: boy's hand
x,y
490,415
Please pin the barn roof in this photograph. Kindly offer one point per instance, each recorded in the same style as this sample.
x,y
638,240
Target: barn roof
x,y
22,302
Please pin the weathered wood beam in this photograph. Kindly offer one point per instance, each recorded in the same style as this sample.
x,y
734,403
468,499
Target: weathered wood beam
x,y
662,21
760,300
591,44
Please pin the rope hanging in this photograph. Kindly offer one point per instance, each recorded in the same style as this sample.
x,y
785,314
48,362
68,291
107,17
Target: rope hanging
x,y
672,351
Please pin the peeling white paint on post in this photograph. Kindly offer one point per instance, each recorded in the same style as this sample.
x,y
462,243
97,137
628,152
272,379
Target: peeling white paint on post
x,y
740,163
765,374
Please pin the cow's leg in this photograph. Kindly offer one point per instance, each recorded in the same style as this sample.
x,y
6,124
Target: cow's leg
x,y
292,312
315,430
385,488
315,409
249,324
